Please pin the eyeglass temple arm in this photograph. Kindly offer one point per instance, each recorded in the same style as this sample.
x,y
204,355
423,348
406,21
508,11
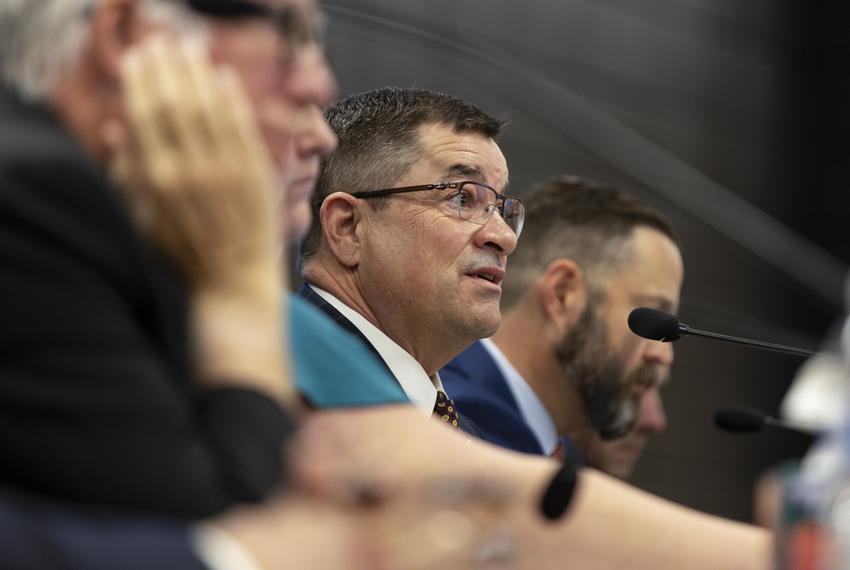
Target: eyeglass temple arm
x,y
402,190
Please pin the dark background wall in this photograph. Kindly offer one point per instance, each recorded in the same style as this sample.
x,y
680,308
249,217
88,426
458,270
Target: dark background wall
x,y
693,106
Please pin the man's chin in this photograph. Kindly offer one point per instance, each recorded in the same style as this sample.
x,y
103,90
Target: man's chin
x,y
487,325
621,469
620,420
614,430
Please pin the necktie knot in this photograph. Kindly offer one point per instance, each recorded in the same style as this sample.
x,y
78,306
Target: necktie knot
x,y
445,409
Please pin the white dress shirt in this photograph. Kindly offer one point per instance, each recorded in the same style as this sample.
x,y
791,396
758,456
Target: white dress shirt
x,y
531,408
421,389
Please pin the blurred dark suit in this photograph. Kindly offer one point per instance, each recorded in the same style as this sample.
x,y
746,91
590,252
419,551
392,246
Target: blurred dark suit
x,y
36,534
97,401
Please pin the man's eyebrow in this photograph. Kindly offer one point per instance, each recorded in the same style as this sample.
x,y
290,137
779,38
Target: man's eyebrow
x,y
465,170
470,172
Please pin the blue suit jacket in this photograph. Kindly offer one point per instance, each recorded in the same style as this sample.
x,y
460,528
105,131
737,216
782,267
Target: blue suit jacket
x,y
37,533
478,388
306,293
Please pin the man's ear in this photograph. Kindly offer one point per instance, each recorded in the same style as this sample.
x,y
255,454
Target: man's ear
x,y
116,26
340,215
562,292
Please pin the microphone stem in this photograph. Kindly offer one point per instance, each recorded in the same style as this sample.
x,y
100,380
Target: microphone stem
x,y
756,343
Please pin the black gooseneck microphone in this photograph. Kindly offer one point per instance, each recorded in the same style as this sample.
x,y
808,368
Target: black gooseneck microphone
x,y
658,325
741,419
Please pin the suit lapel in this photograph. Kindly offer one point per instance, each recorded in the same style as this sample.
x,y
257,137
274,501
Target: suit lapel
x,y
481,376
476,363
306,293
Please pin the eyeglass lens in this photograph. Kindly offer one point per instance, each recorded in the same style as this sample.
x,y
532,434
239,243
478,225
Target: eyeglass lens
x,y
477,203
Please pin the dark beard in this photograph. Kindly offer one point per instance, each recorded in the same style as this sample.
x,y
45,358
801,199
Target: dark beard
x,y
610,404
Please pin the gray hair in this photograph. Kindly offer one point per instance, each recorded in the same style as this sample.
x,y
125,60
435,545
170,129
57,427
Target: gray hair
x,y
40,39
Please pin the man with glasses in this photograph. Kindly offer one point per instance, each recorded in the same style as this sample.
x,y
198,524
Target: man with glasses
x,y
412,233
145,359
146,365
103,400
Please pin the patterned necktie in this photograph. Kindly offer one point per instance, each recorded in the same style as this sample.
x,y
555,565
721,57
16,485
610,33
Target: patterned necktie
x,y
445,409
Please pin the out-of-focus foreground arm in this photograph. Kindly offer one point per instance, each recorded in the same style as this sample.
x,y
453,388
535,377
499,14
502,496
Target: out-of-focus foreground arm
x,y
609,524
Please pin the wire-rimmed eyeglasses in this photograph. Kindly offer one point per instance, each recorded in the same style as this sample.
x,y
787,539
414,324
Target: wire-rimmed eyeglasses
x,y
475,201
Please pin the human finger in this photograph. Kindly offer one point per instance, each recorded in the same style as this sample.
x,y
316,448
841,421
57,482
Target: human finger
x,y
143,104
178,104
238,112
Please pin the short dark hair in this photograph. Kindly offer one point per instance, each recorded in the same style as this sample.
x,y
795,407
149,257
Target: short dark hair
x,y
378,134
579,219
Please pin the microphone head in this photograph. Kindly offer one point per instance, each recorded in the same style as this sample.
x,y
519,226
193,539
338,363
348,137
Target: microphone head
x,y
558,495
740,419
654,324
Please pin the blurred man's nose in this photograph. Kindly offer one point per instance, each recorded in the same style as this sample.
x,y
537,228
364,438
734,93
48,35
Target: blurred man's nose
x,y
659,353
315,138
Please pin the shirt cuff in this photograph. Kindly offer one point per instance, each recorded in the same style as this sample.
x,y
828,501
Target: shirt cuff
x,y
220,551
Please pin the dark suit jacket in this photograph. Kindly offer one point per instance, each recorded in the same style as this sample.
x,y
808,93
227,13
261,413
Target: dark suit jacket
x,y
38,534
97,398
475,383
305,292
478,387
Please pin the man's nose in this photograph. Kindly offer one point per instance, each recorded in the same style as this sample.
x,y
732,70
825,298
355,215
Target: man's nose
x,y
496,233
659,353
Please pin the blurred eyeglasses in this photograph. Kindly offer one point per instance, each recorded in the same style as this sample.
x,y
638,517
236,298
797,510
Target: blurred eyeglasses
x,y
296,27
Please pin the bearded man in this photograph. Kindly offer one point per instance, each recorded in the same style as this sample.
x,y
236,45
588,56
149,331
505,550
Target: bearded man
x,y
564,362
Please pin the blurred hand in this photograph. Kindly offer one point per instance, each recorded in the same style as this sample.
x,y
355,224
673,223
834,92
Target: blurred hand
x,y
430,496
198,177
304,532
194,165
